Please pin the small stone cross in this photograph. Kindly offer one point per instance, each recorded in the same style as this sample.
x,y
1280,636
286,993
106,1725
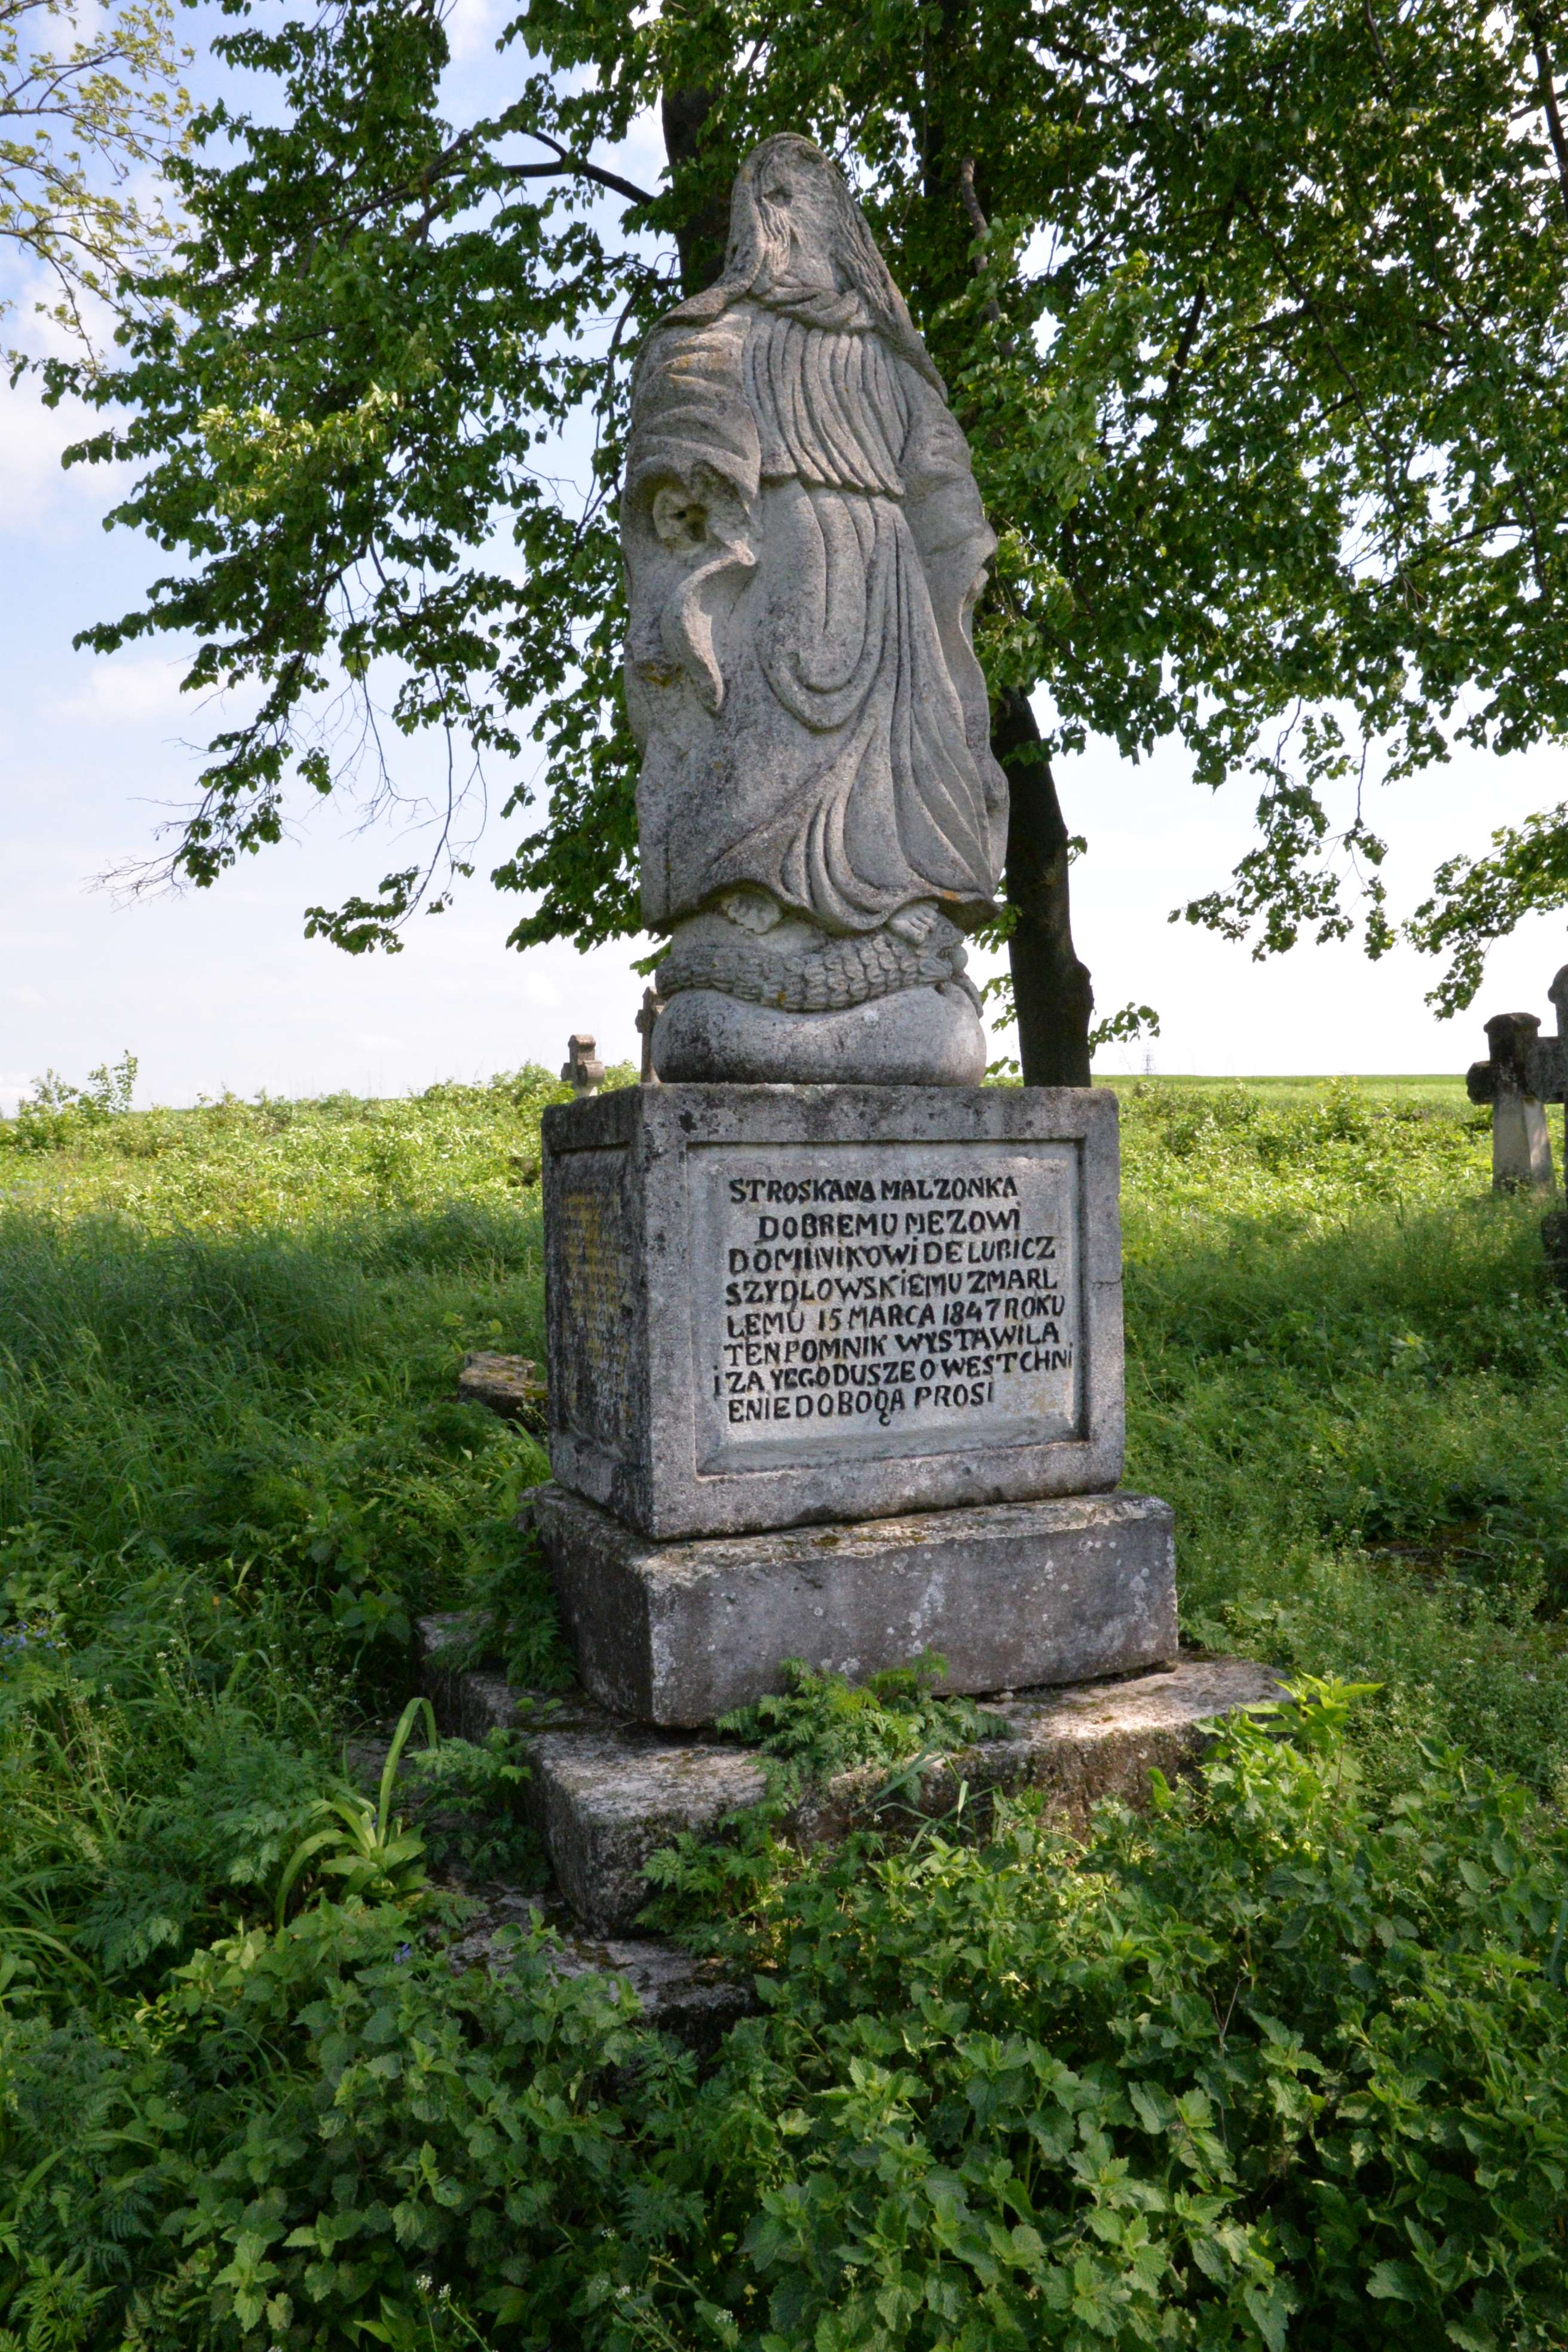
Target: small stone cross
x,y
1523,1073
581,1068
652,1006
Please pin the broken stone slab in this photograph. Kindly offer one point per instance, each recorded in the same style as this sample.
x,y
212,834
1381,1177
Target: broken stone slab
x,y
1012,1595
607,1800
471,1701
677,1993
509,1385
606,1795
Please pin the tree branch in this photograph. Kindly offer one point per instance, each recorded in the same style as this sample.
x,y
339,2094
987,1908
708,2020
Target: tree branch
x,y
982,227
565,165
1370,21
1548,104
578,165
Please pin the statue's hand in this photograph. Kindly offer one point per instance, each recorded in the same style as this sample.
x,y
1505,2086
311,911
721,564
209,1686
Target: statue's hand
x,y
679,517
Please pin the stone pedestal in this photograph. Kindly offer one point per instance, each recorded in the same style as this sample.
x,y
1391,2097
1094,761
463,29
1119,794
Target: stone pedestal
x,y
826,1364
1014,1596
605,1794
835,1330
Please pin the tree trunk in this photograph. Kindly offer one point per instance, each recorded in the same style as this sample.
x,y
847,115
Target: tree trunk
x,y
1050,987
702,232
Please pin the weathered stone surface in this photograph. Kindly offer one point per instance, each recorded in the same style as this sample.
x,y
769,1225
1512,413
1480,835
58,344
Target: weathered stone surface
x,y
610,1798
1010,1594
472,1701
803,545
1522,1073
607,1797
603,1794
678,1994
583,1069
922,1036
1075,1746
769,1304
509,1385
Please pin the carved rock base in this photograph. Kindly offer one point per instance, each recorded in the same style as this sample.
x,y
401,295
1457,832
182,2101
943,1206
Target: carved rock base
x,y
773,1304
917,1037
1013,1596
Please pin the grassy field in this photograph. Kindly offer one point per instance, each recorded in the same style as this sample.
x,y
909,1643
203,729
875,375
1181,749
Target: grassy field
x,y
1315,2061
1440,1087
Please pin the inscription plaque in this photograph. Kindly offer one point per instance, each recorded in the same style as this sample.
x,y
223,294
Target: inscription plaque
x,y
904,1297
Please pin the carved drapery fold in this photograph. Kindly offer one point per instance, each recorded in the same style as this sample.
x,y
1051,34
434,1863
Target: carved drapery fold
x,y
803,545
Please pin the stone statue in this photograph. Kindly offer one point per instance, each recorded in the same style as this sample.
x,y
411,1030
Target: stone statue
x,y
820,817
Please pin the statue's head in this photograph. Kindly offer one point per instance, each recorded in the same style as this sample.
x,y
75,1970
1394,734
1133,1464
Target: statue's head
x,y
795,228
792,222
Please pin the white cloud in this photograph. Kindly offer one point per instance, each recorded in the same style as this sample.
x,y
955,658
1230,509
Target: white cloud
x,y
29,998
473,25
37,494
641,153
31,481
126,693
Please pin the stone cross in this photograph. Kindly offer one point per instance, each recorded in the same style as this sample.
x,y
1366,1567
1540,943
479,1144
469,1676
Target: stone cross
x,y
581,1068
1522,1074
647,1022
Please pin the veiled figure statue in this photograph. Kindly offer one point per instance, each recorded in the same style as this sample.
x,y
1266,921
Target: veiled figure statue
x,y
820,817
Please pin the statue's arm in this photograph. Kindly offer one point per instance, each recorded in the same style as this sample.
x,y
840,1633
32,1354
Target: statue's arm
x,y
692,475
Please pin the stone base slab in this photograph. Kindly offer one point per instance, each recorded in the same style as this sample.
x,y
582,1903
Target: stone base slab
x,y
915,1038
688,1998
602,1794
606,1795
1012,1595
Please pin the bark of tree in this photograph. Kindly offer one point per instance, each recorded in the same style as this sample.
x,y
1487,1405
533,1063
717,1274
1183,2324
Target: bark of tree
x,y
1050,987
702,234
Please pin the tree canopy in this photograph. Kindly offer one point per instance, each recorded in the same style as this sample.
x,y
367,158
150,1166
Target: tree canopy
x,y
1254,318
88,97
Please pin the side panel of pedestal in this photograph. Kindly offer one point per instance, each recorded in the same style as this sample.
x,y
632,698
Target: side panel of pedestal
x,y
769,1305
1014,1596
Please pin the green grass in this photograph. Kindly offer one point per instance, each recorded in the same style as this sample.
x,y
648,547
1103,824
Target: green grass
x,y
232,1469
1437,1086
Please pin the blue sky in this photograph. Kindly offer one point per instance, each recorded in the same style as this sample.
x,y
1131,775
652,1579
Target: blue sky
x,y
221,989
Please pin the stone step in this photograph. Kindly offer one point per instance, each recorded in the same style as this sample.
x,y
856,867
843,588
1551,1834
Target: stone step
x,y
680,1995
1062,1591
605,1794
